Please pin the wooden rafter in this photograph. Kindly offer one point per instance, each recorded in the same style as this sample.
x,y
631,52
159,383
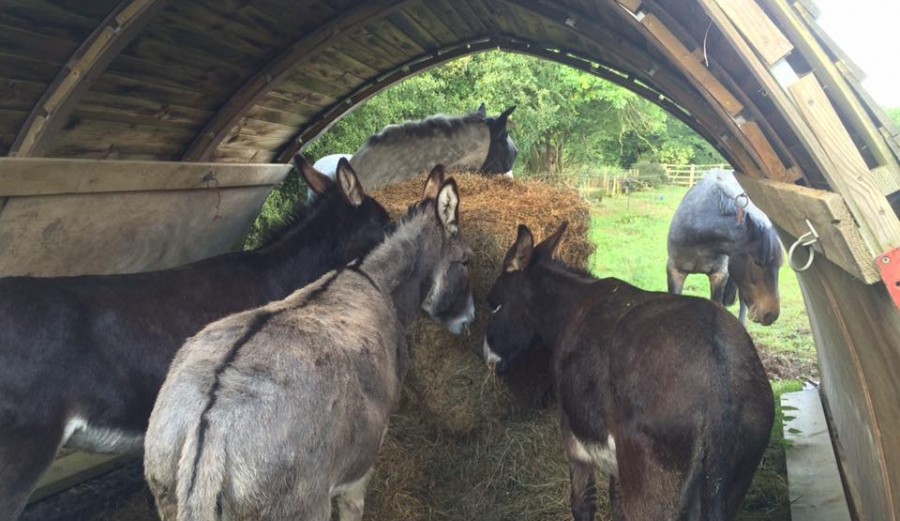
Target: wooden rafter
x,y
328,117
52,111
278,69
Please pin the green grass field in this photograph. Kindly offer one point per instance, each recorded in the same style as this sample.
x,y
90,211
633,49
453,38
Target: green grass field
x,y
630,234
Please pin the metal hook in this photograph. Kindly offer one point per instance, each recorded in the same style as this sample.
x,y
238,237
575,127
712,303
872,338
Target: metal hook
x,y
807,239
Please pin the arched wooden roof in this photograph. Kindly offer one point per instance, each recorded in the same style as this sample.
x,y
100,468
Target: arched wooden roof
x,y
253,81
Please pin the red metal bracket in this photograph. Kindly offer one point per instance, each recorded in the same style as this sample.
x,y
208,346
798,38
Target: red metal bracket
x,y
889,266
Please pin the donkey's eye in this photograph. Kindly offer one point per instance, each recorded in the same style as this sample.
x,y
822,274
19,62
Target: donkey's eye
x,y
496,309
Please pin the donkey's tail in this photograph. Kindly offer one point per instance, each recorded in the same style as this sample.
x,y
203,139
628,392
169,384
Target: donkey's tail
x,y
201,473
731,291
701,497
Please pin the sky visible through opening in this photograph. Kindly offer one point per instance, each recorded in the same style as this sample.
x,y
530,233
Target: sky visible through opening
x,y
869,32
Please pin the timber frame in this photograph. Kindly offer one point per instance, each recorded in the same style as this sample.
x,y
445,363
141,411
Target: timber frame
x,y
142,84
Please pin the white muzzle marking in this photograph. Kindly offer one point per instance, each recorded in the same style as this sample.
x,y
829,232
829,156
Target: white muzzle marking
x,y
459,324
490,357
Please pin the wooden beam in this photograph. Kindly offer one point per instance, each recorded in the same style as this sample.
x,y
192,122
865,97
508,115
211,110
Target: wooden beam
x,y
839,90
39,176
771,162
52,111
820,130
789,206
323,121
308,46
692,66
759,30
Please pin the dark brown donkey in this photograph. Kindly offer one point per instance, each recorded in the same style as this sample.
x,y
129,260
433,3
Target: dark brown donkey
x,y
82,358
665,394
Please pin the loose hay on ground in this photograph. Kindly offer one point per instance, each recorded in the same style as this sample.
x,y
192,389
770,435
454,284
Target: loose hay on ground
x,y
466,444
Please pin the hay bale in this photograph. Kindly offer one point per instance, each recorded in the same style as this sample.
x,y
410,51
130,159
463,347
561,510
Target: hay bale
x,y
466,444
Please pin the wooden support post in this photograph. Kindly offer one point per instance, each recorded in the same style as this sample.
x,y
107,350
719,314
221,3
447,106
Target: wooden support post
x,y
693,173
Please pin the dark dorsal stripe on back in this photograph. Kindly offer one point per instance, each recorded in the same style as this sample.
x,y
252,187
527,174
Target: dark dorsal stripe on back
x,y
259,321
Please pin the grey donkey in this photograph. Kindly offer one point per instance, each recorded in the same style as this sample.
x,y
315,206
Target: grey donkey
x,y
270,413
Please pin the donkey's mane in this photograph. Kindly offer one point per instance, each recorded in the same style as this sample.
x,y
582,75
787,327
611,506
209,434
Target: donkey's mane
x,y
423,128
301,214
760,228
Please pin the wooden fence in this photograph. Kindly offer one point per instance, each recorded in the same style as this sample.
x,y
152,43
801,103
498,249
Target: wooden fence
x,y
687,175
606,182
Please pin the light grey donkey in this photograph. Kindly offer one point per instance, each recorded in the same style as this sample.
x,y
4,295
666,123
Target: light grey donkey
x,y
270,413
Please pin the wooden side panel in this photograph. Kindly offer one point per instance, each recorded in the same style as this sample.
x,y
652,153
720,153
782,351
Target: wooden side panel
x,y
70,217
857,333
124,232
32,177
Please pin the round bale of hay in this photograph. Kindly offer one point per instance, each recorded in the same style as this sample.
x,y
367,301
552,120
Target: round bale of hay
x,y
465,443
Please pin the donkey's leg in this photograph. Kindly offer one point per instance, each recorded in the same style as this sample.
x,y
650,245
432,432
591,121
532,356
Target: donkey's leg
x,y
675,278
351,501
742,315
615,500
24,457
583,499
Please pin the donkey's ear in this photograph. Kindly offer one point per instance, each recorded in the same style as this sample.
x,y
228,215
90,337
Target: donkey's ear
x,y
316,180
482,110
548,246
503,118
519,255
434,183
351,188
447,206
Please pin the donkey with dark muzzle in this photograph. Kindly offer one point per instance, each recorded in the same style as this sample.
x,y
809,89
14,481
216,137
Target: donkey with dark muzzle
x,y
270,413
82,358
664,394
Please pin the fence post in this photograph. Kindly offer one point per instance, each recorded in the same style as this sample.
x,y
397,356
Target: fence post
x,y
693,171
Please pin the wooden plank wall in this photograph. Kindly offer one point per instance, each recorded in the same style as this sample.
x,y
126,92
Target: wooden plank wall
x,y
857,333
70,217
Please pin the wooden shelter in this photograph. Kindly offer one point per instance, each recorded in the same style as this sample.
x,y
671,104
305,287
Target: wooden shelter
x,y
189,110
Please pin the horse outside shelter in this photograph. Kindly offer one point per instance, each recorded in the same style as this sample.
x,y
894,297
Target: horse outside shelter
x,y
718,231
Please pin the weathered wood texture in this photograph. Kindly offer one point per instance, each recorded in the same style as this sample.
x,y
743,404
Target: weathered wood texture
x,y
87,64
66,217
790,206
857,333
